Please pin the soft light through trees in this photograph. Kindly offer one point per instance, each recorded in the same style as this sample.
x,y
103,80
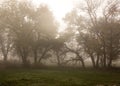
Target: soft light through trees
x,y
30,28
31,33
98,34
59,8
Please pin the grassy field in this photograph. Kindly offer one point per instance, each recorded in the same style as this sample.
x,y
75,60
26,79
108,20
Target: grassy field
x,y
50,77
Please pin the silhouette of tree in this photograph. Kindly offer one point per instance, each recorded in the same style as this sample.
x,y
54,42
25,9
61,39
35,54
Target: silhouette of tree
x,y
95,32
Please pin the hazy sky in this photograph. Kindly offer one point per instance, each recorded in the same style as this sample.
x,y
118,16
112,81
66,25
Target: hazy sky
x,y
59,7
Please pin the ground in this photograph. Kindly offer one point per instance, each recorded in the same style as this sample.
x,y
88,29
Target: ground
x,y
55,77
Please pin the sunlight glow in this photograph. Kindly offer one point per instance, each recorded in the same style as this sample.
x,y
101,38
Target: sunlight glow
x,y
59,8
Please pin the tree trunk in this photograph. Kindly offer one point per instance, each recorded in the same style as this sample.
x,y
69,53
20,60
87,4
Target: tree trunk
x,y
93,61
35,57
104,55
5,58
81,59
83,64
97,61
24,61
43,54
58,59
110,63
104,60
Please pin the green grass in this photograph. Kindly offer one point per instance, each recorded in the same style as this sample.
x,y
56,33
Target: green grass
x,y
47,77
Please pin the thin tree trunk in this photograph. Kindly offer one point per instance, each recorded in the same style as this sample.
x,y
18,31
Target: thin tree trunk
x,y
83,64
24,61
110,63
24,56
105,58
58,59
97,61
93,61
43,54
81,59
35,57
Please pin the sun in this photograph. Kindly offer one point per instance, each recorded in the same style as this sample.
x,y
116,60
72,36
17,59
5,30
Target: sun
x,y
59,9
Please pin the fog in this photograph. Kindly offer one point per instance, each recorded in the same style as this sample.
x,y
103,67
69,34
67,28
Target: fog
x,y
56,37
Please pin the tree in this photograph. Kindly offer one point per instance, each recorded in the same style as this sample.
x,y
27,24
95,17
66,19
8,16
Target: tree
x,y
45,31
32,29
5,43
103,27
59,50
16,19
95,31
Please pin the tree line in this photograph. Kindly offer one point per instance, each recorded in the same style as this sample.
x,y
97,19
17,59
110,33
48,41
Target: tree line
x,y
31,33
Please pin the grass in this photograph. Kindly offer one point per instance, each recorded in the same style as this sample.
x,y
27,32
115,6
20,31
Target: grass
x,y
50,77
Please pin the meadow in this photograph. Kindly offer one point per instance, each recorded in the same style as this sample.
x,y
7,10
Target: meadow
x,y
59,77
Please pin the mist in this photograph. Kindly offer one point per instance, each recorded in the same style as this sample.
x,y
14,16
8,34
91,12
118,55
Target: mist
x,y
81,48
